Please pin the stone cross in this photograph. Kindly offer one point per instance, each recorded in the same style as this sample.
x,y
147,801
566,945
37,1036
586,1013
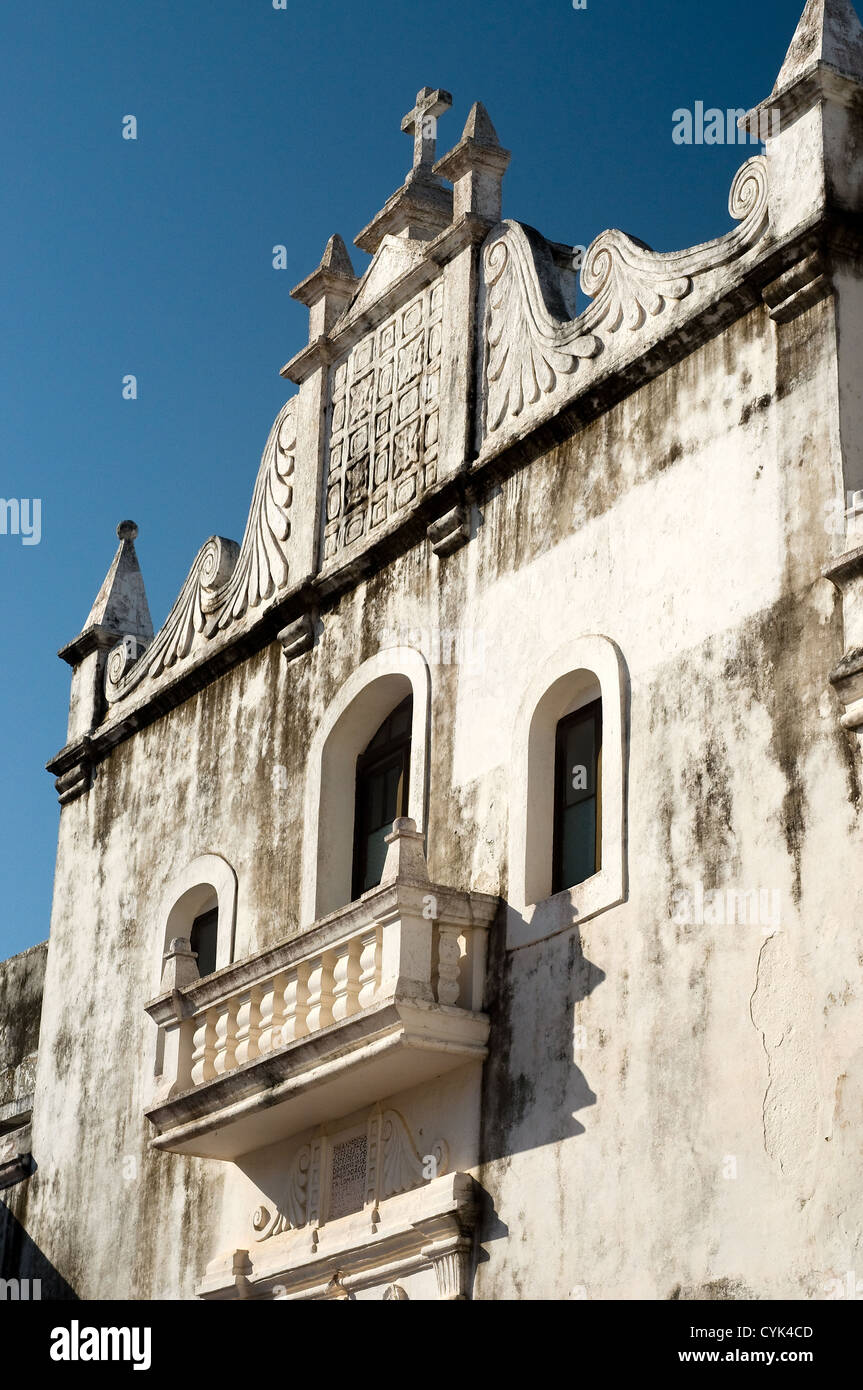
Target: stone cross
x,y
421,123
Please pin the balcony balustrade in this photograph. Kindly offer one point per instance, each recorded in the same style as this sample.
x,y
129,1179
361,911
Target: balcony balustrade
x,y
382,995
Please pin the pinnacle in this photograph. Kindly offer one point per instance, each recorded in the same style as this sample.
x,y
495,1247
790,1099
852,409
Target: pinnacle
x,y
829,33
336,258
478,126
121,603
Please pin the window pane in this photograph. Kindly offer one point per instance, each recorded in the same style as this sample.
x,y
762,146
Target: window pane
x,y
391,800
400,724
376,853
580,761
381,794
205,931
376,800
577,797
578,843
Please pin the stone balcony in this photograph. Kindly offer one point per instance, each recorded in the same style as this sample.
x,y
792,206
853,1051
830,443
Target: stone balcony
x,y
375,998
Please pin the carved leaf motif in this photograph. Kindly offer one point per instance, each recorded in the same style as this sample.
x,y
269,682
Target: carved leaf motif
x,y
262,567
187,618
527,348
226,580
627,281
401,1166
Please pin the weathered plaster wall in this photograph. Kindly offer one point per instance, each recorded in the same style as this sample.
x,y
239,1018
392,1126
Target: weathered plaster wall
x,y
21,981
630,1059
668,1123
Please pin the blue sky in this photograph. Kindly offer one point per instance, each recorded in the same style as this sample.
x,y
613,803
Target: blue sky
x,y
259,127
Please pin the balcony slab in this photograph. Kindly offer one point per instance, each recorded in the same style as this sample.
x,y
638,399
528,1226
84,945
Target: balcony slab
x,y
378,1052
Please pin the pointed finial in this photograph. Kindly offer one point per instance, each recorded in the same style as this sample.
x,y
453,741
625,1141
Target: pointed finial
x,y
336,258
475,167
121,603
478,126
829,33
120,608
329,289
120,612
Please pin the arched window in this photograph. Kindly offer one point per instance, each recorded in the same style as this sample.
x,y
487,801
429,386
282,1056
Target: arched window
x,y
577,846
382,789
567,831
370,704
200,906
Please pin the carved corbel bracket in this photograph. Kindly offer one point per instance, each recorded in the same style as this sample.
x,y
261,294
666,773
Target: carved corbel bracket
x,y
797,289
450,531
74,771
451,1259
298,637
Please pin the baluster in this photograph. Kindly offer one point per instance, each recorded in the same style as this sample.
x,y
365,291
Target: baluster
x,y
449,965
203,1048
295,1005
272,1009
226,1030
346,979
370,966
320,1001
248,1031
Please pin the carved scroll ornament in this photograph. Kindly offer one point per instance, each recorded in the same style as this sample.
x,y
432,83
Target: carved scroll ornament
x,y
528,349
226,580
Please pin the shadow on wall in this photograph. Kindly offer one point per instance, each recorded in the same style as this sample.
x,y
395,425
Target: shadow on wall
x,y
515,1119
21,1259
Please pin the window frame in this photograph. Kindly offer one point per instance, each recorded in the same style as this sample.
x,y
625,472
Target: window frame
x,y
184,896
344,730
573,675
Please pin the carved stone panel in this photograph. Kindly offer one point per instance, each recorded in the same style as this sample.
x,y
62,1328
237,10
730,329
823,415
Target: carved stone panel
x,y
384,421
337,1173
348,1176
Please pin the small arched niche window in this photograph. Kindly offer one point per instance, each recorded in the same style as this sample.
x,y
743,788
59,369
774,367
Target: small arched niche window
x,y
382,790
577,847
200,906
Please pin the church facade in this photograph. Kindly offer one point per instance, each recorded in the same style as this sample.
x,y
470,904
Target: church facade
x,y
458,897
